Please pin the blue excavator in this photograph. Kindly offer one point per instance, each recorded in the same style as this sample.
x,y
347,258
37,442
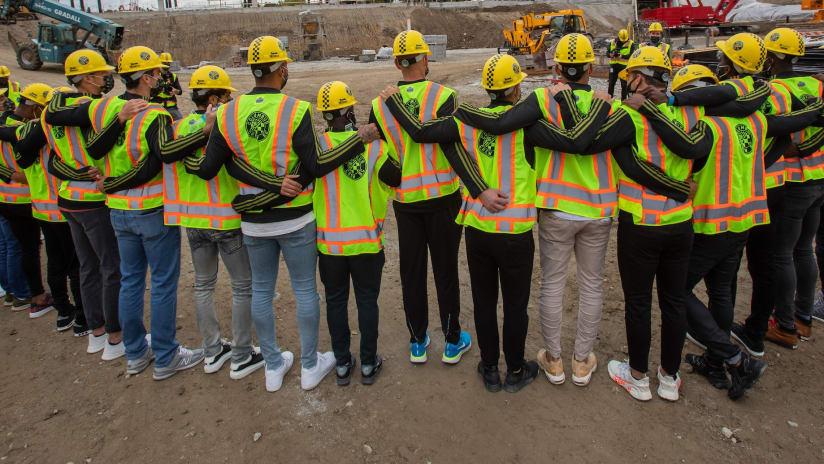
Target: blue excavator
x,y
72,30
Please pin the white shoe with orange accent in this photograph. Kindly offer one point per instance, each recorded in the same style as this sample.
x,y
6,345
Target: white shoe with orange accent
x,y
668,386
620,373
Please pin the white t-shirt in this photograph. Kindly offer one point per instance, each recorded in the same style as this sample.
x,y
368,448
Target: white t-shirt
x,y
274,229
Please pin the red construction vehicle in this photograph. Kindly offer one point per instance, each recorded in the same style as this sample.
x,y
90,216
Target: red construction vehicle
x,y
689,15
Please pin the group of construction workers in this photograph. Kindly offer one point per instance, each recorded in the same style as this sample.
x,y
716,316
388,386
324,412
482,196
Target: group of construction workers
x,y
697,167
622,47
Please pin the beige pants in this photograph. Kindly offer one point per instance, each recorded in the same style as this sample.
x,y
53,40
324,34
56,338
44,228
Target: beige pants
x,y
557,238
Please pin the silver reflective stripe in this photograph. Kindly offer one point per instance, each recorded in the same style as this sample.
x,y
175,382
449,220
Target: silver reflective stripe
x,y
100,111
323,140
76,145
200,210
82,185
332,215
506,156
430,105
731,211
248,190
690,116
509,213
8,155
135,134
724,161
231,132
284,136
44,206
578,193
553,110
394,130
169,181
349,235
142,191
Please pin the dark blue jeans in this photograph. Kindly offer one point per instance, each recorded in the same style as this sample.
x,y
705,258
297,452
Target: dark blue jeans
x,y
11,268
794,262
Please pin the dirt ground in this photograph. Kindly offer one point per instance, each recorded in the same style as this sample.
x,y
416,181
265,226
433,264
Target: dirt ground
x,y
59,404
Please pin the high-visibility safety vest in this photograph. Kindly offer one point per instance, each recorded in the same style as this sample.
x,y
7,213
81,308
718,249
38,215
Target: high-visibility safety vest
x,y
190,201
425,172
128,151
350,202
169,101
43,187
648,208
69,144
663,46
810,167
732,192
13,93
12,192
258,129
779,102
577,184
503,166
623,52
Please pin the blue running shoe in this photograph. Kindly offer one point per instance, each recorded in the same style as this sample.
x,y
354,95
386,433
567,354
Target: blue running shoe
x,y
417,351
453,352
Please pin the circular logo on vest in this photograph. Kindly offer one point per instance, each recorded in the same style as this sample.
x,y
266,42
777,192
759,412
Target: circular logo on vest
x,y
745,138
486,144
84,60
355,168
257,125
121,139
59,132
413,106
213,75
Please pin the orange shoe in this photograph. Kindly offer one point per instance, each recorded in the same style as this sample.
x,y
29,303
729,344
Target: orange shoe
x,y
805,330
582,370
554,370
780,336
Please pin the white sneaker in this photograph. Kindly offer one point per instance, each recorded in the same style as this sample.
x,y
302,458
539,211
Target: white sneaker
x,y
274,379
310,378
620,373
668,387
97,343
112,352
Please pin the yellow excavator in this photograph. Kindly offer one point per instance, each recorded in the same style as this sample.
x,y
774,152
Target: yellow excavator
x,y
814,5
537,33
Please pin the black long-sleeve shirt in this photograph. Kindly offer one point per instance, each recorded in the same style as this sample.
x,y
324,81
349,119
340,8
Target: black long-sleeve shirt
x,y
32,139
317,163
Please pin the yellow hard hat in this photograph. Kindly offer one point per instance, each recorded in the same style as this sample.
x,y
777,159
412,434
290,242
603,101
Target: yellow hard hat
x,y
574,49
656,27
501,72
646,57
4,71
138,58
166,57
84,62
691,73
334,96
745,50
409,43
211,77
786,41
267,49
623,35
37,92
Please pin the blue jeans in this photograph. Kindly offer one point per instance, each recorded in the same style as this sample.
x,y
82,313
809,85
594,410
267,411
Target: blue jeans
x,y
11,270
301,255
145,242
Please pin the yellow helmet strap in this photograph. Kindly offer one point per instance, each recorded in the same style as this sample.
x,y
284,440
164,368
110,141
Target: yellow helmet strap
x,y
260,70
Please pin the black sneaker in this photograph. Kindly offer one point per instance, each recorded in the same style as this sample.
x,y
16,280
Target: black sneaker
x,y
344,371
81,329
744,375
64,323
714,373
253,363
753,346
515,382
212,364
491,377
369,372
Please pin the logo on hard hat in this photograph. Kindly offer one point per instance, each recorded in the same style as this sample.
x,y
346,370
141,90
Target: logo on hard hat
x,y
738,45
213,75
515,68
84,60
636,53
145,56
257,125
348,91
683,72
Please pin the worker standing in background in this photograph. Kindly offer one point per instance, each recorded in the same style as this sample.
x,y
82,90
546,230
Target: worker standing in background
x,y
656,39
619,52
169,88
12,87
84,207
426,203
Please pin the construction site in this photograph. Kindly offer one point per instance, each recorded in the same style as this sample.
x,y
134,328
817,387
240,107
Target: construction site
x,y
60,405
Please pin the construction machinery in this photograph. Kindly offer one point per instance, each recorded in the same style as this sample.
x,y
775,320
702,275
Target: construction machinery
x,y
533,37
75,29
12,14
313,35
814,5
693,15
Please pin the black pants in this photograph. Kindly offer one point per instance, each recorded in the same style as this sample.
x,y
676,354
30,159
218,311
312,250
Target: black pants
x,y
715,260
613,77
99,261
365,271
27,231
508,259
62,269
660,254
435,230
794,263
759,264
819,247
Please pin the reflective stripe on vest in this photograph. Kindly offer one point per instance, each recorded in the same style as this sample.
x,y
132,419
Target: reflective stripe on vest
x,y
516,217
810,167
13,192
623,52
44,194
724,213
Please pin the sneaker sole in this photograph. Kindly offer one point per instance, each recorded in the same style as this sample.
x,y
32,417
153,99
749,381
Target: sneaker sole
x,y
420,359
696,342
142,368
490,387
17,309
632,392
166,375
456,359
746,347
584,381
818,318
516,388
112,358
213,368
41,313
83,333
344,381
63,329
553,379
95,350
237,375
785,345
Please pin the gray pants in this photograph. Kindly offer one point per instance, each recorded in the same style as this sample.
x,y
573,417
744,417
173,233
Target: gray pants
x,y
557,239
205,245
